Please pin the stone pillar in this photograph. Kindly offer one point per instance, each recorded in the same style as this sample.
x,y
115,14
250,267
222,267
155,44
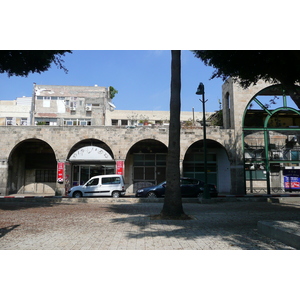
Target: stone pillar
x,y
181,167
3,176
62,178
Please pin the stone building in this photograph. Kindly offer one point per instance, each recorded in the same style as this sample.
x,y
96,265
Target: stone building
x,y
70,105
15,112
65,143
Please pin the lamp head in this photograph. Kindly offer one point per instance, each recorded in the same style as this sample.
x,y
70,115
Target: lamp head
x,y
200,89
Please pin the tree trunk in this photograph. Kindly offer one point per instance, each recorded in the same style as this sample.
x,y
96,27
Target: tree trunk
x,y
173,203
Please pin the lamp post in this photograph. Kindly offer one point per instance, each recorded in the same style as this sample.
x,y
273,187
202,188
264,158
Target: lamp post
x,y
200,91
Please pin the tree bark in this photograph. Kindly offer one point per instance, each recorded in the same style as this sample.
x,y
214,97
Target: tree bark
x,y
173,203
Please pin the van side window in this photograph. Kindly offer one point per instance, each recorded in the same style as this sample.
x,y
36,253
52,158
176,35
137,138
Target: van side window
x,y
111,180
94,181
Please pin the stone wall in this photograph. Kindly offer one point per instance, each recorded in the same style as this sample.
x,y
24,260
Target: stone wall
x,y
119,139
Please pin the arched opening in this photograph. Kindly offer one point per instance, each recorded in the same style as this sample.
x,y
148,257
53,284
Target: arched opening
x,y
89,158
271,132
218,165
145,164
32,168
227,111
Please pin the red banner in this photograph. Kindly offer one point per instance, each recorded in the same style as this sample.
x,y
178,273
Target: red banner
x,y
120,167
60,172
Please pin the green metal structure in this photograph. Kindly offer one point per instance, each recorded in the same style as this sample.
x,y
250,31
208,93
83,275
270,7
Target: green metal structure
x,y
273,131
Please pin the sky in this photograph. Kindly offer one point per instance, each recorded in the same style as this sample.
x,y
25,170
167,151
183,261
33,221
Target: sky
x,y
141,77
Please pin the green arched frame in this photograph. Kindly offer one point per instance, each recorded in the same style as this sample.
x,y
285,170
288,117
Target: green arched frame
x,y
266,130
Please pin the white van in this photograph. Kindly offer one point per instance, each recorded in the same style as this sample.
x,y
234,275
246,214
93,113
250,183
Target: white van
x,y
101,185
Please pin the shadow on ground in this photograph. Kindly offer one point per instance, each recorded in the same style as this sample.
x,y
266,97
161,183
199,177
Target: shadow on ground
x,y
28,204
5,230
235,223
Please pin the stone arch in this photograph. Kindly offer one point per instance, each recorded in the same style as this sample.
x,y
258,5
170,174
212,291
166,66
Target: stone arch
x,y
88,158
32,168
145,163
218,164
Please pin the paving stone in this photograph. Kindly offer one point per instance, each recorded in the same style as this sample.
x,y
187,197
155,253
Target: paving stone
x,y
127,226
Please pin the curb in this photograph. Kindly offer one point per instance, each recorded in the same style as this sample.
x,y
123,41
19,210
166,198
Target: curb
x,y
221,198
287,232
129,197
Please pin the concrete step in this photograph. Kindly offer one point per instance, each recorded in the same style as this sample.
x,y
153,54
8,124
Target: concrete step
x,y
287,232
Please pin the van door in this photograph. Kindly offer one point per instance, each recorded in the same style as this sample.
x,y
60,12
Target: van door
x,y
91,188
110,184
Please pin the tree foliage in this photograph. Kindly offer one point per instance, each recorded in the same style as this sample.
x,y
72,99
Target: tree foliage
x,y
24,62
112,92
249,66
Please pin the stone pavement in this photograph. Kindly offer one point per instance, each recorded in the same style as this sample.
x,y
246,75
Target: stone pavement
x,y
111,225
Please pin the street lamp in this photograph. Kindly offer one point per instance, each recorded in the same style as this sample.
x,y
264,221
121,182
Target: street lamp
x,y
200,91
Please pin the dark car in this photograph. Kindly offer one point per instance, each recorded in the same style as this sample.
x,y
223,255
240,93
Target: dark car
x,y
189,187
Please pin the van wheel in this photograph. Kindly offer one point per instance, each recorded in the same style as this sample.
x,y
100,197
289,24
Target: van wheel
x,y
77,194
115,194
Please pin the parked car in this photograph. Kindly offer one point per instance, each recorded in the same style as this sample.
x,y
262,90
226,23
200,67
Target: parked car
x,y
101,185
189,187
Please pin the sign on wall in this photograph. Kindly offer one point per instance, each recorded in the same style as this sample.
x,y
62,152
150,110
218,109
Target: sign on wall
x,y
91,153
291,178
120,167
60,172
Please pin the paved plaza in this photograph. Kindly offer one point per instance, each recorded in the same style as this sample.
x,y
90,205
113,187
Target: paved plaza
x,y
128,226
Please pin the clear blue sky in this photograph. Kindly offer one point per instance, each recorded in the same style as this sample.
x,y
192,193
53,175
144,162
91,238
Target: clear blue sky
x,y
142,78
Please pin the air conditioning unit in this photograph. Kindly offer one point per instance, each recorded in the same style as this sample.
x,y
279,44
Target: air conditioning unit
x,y
88,108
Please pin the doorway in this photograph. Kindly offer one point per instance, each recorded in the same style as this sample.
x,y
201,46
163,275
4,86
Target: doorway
x,y
82,173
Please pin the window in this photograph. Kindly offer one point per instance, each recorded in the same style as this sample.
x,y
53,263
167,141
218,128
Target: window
x,y
9,121
23,121
49,98
76,122
124,122
45,175
114,122
189,181
111,180
94,181
73,104
46,121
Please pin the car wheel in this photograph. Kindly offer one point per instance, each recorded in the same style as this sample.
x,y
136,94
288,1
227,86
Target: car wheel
x,y
115,194
151,195
77,194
